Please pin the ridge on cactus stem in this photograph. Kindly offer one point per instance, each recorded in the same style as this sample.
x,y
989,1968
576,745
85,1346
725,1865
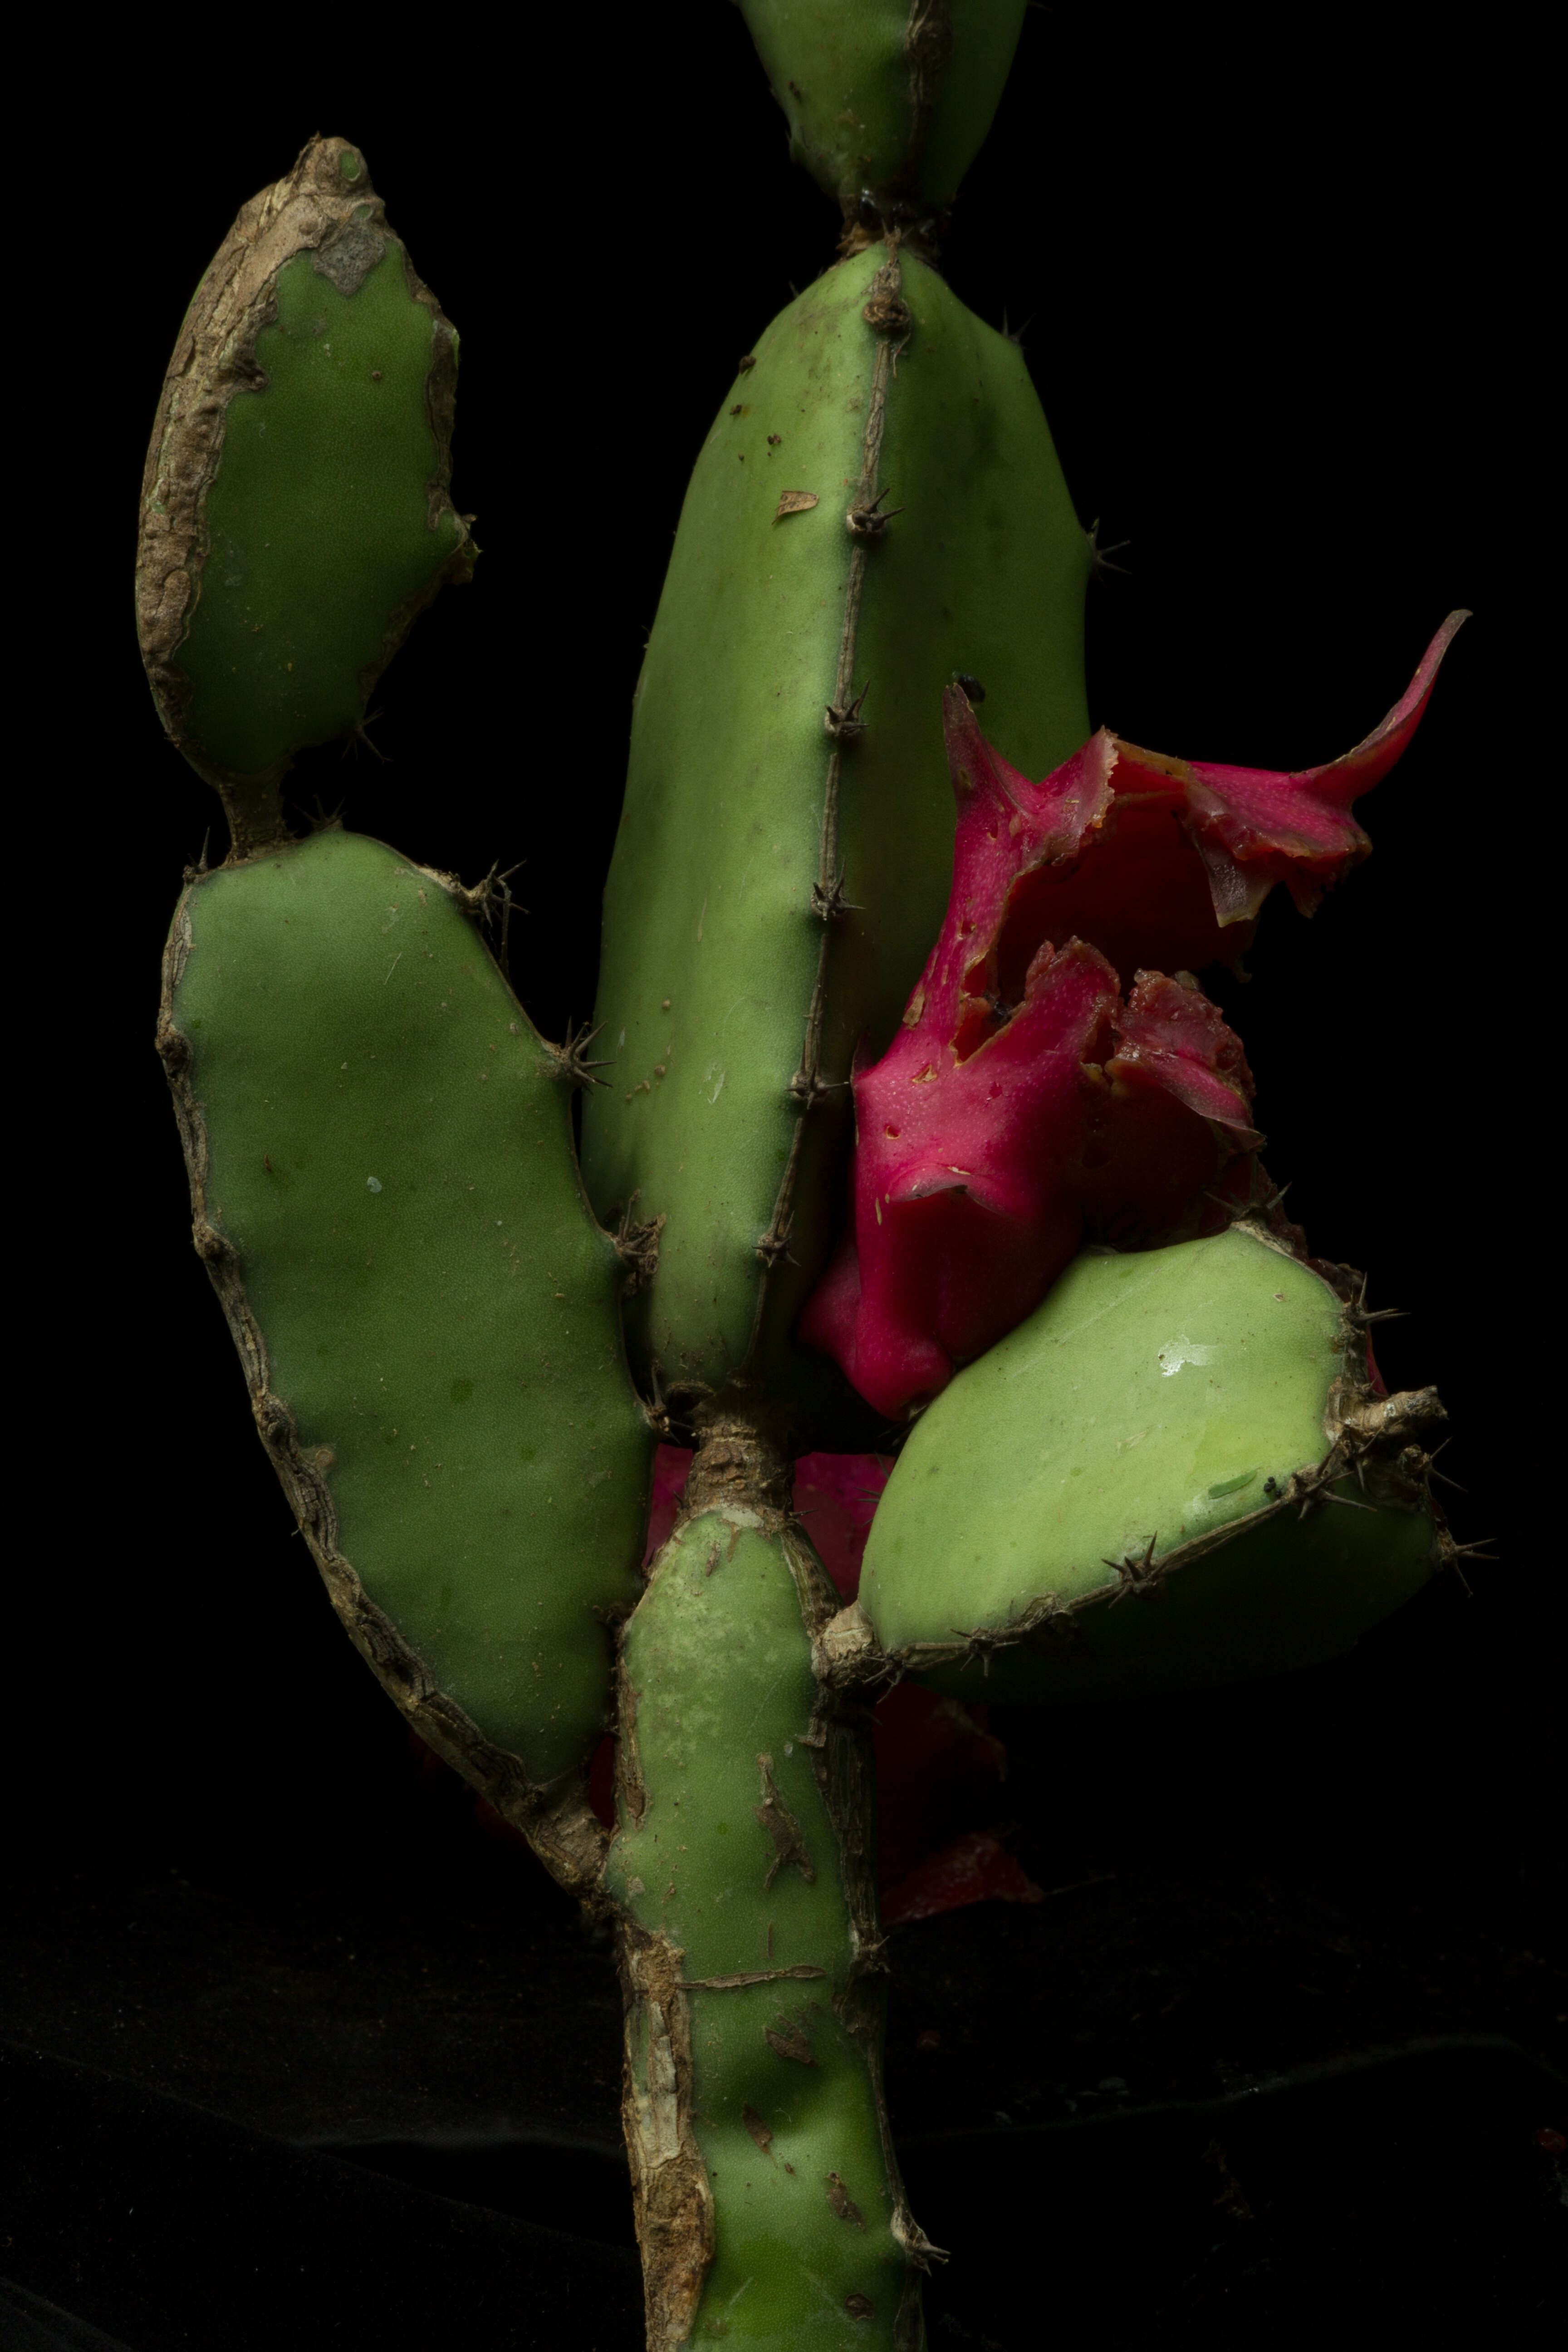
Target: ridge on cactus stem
x,y
785,844
1026,1103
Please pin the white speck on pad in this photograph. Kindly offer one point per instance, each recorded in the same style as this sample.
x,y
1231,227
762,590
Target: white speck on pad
x,y
1182,1350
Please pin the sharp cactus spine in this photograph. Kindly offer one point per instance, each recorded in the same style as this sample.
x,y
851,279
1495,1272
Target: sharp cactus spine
x,y
876,521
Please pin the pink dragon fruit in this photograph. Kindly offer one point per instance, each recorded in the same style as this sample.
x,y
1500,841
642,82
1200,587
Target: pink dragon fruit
x,y
1038,1094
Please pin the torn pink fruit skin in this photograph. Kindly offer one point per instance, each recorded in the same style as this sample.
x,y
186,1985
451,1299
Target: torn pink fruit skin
x,y
1026,1101
973,1868
671,1469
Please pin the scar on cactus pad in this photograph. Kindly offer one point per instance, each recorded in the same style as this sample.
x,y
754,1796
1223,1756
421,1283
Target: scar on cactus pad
x,y
1059,1074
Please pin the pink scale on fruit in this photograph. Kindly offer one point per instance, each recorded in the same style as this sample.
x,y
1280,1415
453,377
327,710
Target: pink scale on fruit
x,y
671,1469
973,1868
835,1497
1059,1074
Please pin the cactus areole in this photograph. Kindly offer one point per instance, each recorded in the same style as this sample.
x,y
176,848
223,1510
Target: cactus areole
x,y
912,1122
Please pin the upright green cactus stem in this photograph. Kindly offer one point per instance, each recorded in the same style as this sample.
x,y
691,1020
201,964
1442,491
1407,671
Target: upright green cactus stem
x,y
769,2205
878,509
886,104
1177,1466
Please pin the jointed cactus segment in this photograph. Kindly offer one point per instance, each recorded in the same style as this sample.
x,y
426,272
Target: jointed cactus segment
x,y
1177,1472
295,516
887,104
381,1167
769,2205
786,850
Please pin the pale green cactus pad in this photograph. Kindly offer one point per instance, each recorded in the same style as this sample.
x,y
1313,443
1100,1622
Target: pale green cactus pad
x,y
754,1928
1174,1474
779,875
380,1149
295,511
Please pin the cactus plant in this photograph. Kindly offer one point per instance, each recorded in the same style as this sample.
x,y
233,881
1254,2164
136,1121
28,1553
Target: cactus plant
x,y
1143,1439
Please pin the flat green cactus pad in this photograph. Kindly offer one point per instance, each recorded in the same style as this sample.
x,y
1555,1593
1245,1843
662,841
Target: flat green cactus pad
x,y
777,884
295,514
380,1152
1172,1474
751,1945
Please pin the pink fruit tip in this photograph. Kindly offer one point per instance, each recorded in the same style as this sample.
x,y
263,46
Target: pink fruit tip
x,y
1035,1093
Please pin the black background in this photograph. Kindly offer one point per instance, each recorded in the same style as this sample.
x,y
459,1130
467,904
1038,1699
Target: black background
x,y
1252,264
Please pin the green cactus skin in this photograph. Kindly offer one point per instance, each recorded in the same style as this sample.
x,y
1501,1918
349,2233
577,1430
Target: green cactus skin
x,y
379,1148
777,880
769,2205
885,98
1130,1493
295,516
1174,1474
